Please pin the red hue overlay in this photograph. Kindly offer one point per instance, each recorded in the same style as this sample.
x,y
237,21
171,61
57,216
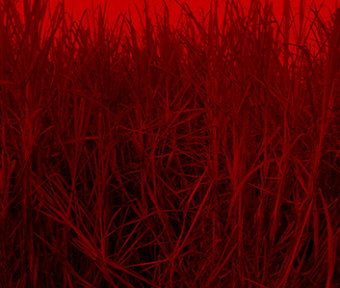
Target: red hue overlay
x,y
201,158
115,7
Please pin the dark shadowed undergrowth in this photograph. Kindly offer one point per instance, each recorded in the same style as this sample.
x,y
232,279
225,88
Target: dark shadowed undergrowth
x,y
192,155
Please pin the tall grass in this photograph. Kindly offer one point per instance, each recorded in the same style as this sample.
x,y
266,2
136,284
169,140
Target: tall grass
x,y
192,155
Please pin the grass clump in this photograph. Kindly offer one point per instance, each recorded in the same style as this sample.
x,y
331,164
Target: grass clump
x,y
197,154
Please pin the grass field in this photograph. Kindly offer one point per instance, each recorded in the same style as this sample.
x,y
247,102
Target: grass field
x,y
193,155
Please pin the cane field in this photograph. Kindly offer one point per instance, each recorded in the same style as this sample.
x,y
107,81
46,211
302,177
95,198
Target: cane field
x,y
191,154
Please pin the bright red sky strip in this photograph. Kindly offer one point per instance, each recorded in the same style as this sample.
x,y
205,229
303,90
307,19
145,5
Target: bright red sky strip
x,y
117,6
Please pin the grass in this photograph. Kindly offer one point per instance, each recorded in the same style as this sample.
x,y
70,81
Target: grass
x,y
196,154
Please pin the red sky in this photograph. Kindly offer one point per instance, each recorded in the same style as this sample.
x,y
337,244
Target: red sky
x,y
117,6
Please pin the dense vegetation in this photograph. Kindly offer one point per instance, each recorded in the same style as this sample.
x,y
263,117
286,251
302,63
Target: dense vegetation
x,y
192,155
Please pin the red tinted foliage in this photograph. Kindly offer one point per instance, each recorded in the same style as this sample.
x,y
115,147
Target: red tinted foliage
x,y
193,155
